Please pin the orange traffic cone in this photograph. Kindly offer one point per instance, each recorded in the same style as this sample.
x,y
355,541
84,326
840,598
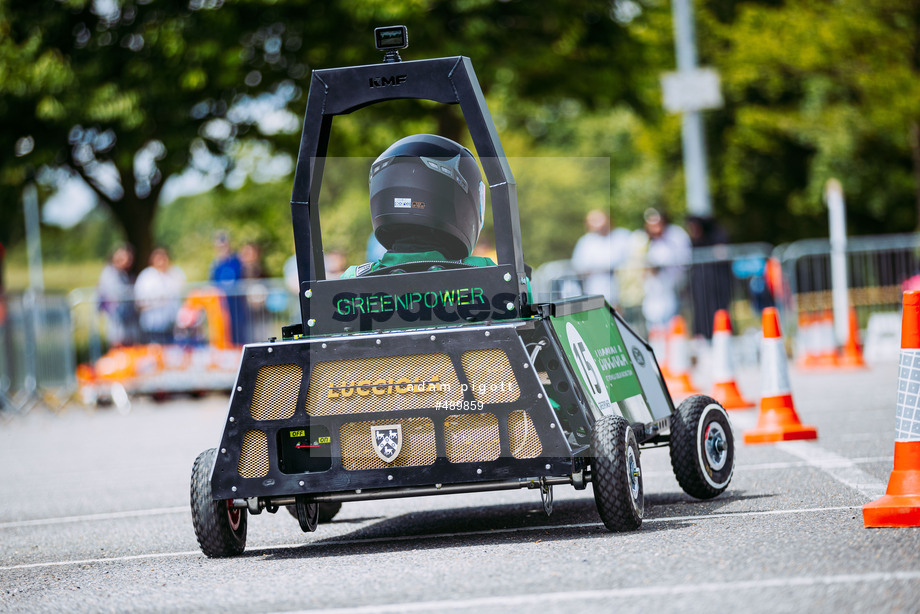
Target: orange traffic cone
x,y
658,339
678,375
724,389
818,349
827,356
851,355
778,420
900,507
805,342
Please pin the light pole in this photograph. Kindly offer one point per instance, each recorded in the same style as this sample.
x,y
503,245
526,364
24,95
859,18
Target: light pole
x,y
689,91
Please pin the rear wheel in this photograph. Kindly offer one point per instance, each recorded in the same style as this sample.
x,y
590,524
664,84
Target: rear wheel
x,y
616,475
219,527
306,512
702,447
327,510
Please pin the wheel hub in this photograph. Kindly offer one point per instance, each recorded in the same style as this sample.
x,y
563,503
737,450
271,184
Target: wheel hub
x,y
234,514
634,472
714,446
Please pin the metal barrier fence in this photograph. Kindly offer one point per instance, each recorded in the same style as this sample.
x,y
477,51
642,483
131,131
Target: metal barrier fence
x,y
879,269
37,364
253,310
41,335
795,277
731,277
198,349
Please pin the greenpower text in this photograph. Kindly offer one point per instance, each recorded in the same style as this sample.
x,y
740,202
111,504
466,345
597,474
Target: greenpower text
x,y
383,303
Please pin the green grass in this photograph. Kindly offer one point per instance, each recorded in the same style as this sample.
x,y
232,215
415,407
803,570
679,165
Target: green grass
x,y
66,276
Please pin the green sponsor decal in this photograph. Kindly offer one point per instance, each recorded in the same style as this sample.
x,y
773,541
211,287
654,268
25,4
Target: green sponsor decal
x,y
381,303
595,349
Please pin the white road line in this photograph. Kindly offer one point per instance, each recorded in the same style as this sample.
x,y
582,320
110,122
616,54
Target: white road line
x,y
89,517
826,460
332,542
539,599
842,469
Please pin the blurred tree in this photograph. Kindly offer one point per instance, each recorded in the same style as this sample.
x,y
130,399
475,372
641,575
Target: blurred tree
x,y
125,94
817,89
128,93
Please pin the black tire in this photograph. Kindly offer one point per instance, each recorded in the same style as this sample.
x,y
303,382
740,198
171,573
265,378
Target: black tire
x,y
616,475
327,510
220,528
307,513
702,447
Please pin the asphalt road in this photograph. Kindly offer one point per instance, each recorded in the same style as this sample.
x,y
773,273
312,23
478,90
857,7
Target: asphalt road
x,y
95,518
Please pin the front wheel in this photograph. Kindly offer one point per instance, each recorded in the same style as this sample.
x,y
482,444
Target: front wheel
x,y
616,475
702,447
219,527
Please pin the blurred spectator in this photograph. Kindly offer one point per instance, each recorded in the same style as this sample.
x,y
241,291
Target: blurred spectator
x,y
226,267
710,278
225,273
291,277
255,292
116,297
335,263
251,261
668,254
375,250
158,293
485,248
631,281
598,254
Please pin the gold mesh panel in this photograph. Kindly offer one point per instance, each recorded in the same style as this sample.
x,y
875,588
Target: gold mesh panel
x,y
384,383
490,376
275,393
471,438
525,443
254,455
418,446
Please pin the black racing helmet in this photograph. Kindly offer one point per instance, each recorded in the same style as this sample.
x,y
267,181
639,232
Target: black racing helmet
x,y
427,192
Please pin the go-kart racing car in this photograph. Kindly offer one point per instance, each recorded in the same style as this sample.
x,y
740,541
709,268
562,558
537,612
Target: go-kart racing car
x,y
438,374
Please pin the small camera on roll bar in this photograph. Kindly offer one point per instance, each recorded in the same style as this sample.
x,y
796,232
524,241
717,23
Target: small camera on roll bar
x,y
391,39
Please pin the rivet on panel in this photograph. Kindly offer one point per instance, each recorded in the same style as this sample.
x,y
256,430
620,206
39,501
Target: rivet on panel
x,y
301,482
479,472
233,488
311,322
308,293
324,346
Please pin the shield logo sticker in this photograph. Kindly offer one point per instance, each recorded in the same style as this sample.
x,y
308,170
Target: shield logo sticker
x,y
387,441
